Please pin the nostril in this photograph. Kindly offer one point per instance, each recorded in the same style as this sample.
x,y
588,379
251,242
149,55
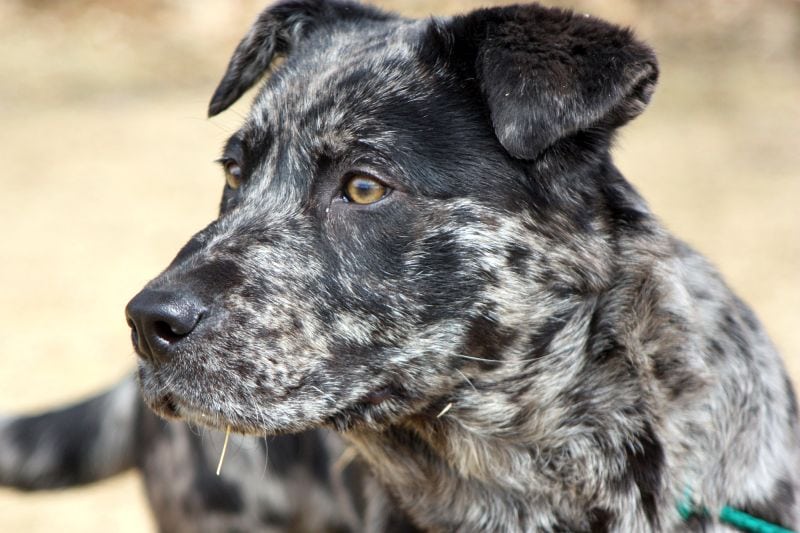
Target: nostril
x,y
167,332
168,324
182,319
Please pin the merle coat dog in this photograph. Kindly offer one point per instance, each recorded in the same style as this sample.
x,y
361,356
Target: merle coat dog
x,y
424,245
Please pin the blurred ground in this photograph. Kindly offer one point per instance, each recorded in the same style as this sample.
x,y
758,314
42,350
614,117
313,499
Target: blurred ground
x,y
107,169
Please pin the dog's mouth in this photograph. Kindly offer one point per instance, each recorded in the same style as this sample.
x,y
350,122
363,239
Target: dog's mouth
x,y
171,407
376,407
166,407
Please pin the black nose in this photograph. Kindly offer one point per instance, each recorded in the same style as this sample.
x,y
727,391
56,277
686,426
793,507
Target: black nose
x,y
160,320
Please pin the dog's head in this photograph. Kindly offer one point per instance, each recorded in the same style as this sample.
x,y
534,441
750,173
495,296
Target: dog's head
x,y
408,203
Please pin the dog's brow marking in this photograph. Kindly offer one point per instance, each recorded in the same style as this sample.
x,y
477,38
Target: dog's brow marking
x,y
224,447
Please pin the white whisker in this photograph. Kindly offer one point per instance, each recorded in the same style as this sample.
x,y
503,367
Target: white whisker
x,y
467,380
224,447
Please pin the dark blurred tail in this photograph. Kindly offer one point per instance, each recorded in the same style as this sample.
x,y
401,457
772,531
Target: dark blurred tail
x,y
82,443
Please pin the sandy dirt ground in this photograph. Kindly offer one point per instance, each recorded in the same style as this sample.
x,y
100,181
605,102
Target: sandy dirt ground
x,y
106,161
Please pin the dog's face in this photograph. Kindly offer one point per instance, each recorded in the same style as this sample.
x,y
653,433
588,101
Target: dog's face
x,y
407,204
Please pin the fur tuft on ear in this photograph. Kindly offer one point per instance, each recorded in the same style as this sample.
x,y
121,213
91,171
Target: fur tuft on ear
x,y
276,30
548,73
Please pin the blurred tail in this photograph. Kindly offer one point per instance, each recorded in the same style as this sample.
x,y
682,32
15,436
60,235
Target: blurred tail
x,y
82,443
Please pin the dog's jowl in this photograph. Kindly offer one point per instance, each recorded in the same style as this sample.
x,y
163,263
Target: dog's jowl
x,y
423,243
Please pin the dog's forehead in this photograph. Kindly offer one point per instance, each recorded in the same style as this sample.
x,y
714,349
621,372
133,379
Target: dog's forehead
x,y
337,76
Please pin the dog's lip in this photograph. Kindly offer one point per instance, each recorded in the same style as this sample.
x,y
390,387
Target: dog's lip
x,y
169,406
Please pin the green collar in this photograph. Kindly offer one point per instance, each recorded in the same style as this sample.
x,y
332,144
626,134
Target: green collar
x,y
687,508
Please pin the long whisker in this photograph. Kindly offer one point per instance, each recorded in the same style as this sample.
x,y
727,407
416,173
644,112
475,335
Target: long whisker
x,y
224,447
497,361
467,380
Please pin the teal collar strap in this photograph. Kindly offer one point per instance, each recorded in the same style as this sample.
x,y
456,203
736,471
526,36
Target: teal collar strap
x,y
728,515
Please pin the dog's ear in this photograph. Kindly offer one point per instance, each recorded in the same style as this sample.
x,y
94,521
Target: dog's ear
x,y
548,73
276,30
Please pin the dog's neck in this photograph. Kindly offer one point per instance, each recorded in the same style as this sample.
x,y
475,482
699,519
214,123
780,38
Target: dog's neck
x,y
549,437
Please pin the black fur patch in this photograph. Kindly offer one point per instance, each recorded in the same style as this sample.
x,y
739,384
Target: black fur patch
x,y
600,520
523,60
214,277
734,331
716,349
675,375
620,210
517,258
645,462
487,340
540,340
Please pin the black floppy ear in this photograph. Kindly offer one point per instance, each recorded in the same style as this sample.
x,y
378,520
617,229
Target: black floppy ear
x,y
276,30
548,73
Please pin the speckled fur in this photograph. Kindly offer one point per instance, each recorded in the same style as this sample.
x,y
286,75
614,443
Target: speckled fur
x,y
510,339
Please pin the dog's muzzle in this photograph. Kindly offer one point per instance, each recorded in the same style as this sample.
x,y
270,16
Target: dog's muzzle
x,y
160,321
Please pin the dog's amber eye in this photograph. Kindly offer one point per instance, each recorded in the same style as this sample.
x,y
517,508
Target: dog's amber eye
x,y
233,173
363,189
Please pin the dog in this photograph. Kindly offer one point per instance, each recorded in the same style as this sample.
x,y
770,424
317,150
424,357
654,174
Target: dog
x,y
423,244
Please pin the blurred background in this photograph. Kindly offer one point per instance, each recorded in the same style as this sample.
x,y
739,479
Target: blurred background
x,y
106,159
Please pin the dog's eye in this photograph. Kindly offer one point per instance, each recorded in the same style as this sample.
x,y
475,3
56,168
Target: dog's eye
x,y
233,173
363,189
